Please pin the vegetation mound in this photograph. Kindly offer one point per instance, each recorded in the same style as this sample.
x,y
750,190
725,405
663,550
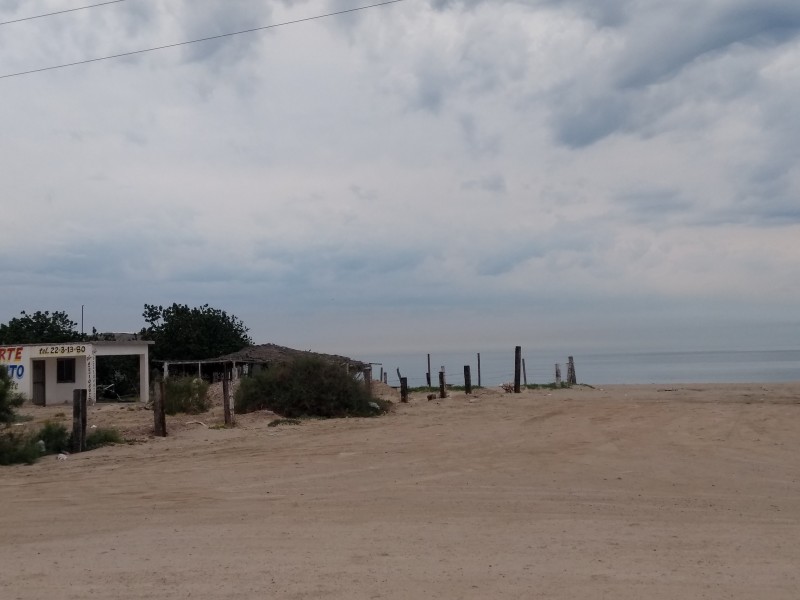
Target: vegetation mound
x,y
307,387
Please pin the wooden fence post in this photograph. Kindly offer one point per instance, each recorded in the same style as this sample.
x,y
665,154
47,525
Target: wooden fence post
x,y
159,411
571,377
368,379
467,380
524,374
79,420
479,369
84,415
428,374
517,368
442,385
226,396
398,374
404,389
558,375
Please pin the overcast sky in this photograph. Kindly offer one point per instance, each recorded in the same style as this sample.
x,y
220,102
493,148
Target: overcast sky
x,y
427,175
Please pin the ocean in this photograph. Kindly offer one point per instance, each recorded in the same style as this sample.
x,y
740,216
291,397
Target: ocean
x,y
597,368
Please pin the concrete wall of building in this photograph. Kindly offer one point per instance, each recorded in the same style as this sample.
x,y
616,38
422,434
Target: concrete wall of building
x,y
19,362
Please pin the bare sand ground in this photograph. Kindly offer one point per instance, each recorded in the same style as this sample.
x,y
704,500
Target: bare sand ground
x,y
621,493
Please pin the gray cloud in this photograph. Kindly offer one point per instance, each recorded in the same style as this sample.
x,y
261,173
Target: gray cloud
x,y
448,158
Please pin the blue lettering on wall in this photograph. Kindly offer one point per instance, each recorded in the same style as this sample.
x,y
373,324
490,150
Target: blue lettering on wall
x,y
16,371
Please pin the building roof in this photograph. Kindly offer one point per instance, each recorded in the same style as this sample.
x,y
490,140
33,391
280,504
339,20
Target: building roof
x,y
265,353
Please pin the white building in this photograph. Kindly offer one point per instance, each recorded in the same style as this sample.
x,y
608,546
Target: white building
x,y
48,373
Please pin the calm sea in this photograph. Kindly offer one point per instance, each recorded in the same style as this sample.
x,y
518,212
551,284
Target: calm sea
x,y
599,367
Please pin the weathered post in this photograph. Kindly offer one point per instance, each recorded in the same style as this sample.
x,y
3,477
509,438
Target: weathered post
x,y
84,415
159,411
558,375
467,380
78,420
368,379
385,378
479,369
524,374
398,374
572,378
442,385
226,396
428,374
404,389
517,368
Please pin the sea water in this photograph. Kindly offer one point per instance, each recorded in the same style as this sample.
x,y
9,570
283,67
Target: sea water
x,y
596,367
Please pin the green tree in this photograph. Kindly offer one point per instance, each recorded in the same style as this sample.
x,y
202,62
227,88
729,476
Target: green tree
x,y
39,328
183,333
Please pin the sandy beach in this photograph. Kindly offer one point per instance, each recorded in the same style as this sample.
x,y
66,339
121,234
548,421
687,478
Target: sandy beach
x,y
624,492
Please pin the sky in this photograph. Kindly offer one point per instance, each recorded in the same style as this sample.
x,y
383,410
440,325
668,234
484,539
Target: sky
x,y
426,175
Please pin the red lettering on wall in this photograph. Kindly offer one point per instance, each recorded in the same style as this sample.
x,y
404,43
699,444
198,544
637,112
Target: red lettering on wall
x,y
11,354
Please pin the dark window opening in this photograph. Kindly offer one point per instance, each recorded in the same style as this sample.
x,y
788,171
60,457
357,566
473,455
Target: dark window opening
x,y
65,370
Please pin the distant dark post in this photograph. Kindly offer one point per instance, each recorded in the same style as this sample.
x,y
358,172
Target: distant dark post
x,y
479,369
386,378
404,389
398,374
226,396
428,374
467,380
524,374
442,385
78,420
558,375
381,374
571,377
517,368
159,411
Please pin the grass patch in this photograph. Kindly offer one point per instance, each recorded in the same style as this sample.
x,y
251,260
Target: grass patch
x,y
103,437
186,395
55,436
18,447
276,422
547,386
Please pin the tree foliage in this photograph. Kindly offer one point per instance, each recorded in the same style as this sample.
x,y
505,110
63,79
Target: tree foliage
x,y
39,328
183,333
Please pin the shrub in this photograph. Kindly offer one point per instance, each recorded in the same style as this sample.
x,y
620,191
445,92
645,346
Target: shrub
x,y
307,387
18,447
55,437
186,395
102,437
9,397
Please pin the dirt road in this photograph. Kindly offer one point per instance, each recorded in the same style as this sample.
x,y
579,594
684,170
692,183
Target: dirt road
x,y
621,493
